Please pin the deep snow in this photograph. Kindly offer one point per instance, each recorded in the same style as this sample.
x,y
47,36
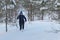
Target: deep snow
x,y
37,30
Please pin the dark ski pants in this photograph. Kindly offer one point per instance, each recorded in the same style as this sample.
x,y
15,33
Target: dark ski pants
x,y
21,26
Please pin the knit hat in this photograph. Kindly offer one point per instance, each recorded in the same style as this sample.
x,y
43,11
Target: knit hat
x,y
21,13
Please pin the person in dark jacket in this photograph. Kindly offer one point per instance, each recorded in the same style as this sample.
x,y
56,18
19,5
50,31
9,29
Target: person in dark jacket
x,y
22,20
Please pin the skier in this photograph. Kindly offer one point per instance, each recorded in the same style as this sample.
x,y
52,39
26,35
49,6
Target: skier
x,y
22,20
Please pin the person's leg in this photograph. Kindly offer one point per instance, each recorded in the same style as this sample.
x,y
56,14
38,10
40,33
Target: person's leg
x,y
23,26
20,26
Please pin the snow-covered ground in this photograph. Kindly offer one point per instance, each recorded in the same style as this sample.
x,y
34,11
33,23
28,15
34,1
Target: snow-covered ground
x,y
36,30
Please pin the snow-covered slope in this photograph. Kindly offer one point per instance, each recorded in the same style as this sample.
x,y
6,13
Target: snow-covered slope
x,y
37,30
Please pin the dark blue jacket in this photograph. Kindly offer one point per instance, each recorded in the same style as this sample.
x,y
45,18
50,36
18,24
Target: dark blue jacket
x,y
22,19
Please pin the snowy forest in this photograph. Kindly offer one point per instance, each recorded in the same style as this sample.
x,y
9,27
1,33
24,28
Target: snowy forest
x,y
35,9
43,19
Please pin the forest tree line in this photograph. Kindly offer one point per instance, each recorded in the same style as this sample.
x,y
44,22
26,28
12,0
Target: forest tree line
x,y
37,9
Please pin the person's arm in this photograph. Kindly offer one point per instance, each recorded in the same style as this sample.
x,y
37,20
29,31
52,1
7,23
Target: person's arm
x,y
25,18
18,17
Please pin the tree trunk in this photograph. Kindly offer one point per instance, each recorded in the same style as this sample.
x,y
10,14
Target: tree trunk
x,y
42,14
